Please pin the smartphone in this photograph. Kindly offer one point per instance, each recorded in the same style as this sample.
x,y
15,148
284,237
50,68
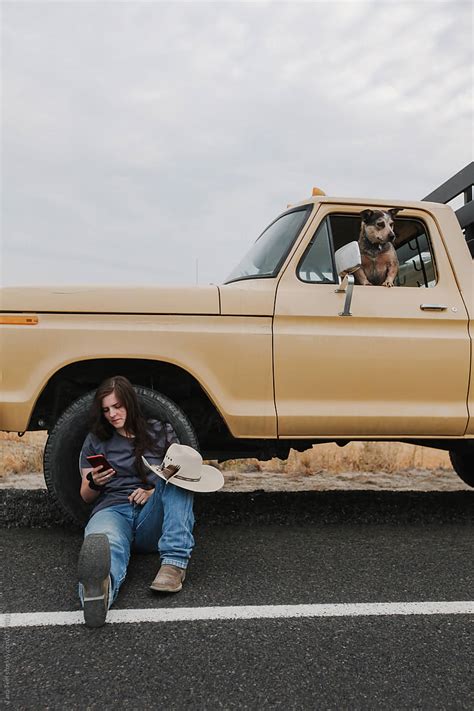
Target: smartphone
x,y
98,460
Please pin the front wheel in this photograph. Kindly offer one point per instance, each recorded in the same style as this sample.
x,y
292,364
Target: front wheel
x,y
462,459
63,446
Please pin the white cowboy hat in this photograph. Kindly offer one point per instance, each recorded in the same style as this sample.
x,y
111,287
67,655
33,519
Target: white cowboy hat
x,y
182,466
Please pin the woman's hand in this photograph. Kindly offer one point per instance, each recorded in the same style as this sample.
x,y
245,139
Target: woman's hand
x,y
102,477
140,496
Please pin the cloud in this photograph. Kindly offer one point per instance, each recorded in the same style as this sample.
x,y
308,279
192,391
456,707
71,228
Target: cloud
x,y
156,134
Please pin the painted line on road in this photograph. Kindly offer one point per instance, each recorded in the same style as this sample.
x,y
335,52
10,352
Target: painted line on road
x,y
247,612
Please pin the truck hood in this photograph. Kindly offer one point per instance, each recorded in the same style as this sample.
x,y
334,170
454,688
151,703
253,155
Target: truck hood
x,y
111,299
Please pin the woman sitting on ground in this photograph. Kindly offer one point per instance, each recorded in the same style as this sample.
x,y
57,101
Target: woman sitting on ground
x,y
133,505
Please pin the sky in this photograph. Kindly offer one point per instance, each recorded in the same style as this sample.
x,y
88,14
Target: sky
x,y
152,142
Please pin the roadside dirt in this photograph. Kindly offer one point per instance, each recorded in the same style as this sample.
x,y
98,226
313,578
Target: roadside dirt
x,y
359,465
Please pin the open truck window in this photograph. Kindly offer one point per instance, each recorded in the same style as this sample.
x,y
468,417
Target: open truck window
x,y
412,244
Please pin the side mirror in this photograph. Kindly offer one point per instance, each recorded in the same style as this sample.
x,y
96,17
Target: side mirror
x,y
348,259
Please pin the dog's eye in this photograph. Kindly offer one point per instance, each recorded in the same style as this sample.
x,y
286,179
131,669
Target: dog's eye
x,y
380,224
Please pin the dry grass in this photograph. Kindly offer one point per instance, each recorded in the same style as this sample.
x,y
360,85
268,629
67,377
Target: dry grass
x,y
21,455
368,456
386,457
25,455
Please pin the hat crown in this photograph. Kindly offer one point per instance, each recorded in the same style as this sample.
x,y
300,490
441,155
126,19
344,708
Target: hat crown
x,y
186,458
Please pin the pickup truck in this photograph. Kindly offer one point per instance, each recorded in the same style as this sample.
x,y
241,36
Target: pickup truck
x,y
287,353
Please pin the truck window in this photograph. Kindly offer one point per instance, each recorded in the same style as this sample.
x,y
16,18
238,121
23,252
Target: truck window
x,y
270,250
415,255
317,262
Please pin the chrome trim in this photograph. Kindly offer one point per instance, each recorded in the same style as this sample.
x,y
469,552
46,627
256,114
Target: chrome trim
x,y
346,285
433,307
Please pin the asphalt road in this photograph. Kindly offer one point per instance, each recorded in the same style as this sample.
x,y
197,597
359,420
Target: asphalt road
x,y
395,662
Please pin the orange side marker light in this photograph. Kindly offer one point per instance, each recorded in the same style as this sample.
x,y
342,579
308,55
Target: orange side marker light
x,y
7,320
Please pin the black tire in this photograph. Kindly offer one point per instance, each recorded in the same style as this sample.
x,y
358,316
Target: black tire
x,y
462,459
63,446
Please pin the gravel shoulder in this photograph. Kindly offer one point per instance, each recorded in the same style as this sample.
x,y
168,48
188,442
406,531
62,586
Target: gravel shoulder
x,y
242,481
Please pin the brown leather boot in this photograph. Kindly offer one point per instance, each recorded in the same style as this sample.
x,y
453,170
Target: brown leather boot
x,y
170,578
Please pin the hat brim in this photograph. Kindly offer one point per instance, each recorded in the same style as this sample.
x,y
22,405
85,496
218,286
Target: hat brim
x,y
211,480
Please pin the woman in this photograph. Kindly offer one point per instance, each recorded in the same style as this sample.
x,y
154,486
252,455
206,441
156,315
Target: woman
x,y
132,505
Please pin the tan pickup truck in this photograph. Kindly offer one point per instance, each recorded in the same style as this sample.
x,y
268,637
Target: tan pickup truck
x,y
284,354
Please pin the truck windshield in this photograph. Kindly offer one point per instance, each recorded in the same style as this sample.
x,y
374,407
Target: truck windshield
x,y
271,249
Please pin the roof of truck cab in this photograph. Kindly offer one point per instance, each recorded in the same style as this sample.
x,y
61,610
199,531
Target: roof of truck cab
x,y
383,202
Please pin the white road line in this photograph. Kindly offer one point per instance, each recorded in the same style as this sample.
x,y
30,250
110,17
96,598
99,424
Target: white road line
x,y
248,612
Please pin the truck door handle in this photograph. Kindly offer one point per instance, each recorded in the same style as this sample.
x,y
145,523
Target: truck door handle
x,y
433,307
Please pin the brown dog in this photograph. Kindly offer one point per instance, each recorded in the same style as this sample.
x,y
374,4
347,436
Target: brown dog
x,y
379,258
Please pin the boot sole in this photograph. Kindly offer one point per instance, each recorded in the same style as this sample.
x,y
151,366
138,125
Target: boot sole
x,y
93,568
169,589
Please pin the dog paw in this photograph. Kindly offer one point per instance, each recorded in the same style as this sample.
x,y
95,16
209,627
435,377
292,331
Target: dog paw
x,y
387,283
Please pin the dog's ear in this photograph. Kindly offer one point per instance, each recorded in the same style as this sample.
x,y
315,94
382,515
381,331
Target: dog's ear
x,y
394,211
366,215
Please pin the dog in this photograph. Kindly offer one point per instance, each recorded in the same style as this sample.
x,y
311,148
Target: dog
x,y
378,255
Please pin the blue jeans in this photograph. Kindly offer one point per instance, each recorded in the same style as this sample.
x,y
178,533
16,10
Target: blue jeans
x,y
164,524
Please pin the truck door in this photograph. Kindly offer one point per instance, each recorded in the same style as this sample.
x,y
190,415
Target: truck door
x,y
398,366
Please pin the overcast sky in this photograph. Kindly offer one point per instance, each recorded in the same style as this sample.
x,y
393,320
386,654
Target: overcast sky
x,y
141,140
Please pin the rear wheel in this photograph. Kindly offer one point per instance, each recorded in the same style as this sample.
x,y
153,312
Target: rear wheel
x,y
63,446
462,459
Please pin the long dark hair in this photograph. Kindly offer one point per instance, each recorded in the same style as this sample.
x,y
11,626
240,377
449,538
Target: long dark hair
x,y
135,424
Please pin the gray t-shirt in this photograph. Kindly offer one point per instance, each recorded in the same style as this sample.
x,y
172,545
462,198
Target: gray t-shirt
x,y
120,453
